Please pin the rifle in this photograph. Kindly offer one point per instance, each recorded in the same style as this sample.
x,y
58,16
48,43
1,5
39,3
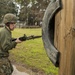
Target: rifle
x,y
24,37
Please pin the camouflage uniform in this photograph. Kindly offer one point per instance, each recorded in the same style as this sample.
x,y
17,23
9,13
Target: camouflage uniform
x,y
6,44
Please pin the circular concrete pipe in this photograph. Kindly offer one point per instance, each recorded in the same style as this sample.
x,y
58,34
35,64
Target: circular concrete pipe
x,y
48,28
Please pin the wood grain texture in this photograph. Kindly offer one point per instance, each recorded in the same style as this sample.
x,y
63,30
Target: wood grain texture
x,y
65,37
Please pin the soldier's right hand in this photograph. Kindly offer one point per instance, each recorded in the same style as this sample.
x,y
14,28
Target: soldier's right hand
x,y
18,41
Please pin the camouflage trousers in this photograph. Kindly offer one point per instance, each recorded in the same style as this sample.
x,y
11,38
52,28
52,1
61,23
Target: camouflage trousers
x,y
5,66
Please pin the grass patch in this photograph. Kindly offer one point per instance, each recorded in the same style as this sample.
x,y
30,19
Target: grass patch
x,y
32,52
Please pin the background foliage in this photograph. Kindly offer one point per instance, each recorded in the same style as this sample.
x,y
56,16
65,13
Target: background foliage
x,y
7,6
30,12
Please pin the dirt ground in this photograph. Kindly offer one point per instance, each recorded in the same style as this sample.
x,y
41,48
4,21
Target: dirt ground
x,y
17,72
20,70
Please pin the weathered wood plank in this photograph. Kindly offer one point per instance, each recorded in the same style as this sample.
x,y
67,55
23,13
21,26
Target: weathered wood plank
x,y
65,37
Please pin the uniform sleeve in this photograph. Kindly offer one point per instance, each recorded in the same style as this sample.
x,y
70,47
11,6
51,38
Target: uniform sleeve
x,y
7,43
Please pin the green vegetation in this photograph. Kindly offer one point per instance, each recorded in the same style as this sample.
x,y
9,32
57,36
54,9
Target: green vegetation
x,y
32,52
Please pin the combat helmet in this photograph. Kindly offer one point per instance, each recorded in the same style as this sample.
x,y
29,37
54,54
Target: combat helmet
x,y
9,18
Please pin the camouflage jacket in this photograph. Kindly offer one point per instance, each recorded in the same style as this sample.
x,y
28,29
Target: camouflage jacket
x,y
6,42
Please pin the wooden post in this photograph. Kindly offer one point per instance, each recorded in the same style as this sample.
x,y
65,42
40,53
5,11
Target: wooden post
x,y
65,37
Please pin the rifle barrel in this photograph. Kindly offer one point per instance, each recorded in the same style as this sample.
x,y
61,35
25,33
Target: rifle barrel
x,y
24,38
33,37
